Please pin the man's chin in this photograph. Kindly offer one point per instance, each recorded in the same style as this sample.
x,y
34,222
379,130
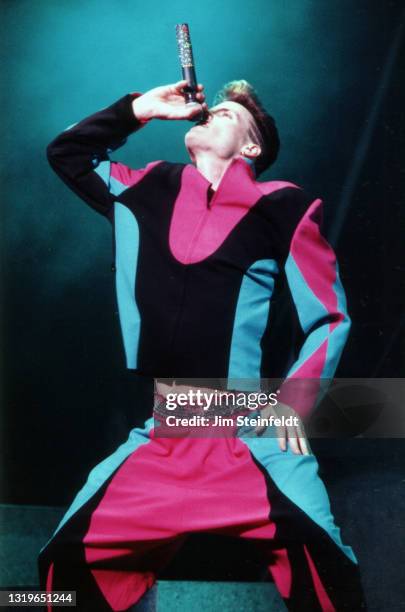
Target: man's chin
x,y
191,139
190,153
192,132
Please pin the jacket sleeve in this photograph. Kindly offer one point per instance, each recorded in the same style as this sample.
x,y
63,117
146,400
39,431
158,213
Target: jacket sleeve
x,y
80,155
312,274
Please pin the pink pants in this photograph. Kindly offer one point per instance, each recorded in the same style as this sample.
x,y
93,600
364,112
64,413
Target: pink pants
x,y
139,504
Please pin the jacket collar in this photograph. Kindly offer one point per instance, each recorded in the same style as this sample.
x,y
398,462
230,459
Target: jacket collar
x,y
239,168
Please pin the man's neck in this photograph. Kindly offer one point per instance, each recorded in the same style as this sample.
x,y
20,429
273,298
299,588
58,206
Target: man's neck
x,y
212,168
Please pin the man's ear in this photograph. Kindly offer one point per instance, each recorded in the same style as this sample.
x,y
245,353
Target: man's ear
x,y
251,150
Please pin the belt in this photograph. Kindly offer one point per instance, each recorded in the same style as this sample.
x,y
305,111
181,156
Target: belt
x,y
160,409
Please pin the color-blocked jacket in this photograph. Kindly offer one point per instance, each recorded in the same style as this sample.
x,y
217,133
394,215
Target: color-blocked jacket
x,y
195,277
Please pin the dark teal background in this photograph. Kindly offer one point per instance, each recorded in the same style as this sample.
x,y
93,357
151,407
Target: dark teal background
x,y
320,68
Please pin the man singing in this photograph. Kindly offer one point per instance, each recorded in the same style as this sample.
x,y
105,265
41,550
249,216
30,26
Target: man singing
x,y
200,249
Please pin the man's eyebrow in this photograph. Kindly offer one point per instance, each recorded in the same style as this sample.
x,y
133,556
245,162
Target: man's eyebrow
x,y
225,109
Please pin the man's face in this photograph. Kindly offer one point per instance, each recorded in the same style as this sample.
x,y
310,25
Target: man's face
x,y
224,133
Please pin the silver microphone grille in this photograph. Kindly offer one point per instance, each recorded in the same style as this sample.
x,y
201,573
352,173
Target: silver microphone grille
x,y
184,45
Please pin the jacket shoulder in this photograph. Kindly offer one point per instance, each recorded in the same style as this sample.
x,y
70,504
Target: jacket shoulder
x,y
269,187
286,199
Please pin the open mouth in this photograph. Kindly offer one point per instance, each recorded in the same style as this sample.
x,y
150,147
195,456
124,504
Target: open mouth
x,y
204,120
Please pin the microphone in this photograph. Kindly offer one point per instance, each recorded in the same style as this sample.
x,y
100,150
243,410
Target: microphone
x,y
187,67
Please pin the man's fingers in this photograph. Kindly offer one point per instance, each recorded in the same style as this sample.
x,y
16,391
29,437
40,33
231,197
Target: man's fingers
x,y
294,436
177,87
282,437
304,442
193,109
282,442
173,89
297,441
304,446
182,111
293,442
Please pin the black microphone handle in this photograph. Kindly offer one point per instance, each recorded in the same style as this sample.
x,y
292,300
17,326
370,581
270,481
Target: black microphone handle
x,y
190,90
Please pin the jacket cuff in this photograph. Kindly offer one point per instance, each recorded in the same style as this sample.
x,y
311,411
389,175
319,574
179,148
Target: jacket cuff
x,y
123,107
137,94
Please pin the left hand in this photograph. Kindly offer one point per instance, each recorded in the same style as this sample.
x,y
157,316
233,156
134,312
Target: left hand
x,y
294,435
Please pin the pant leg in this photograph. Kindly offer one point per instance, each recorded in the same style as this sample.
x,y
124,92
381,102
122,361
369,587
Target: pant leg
x,y
110,553
138,506
312,568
